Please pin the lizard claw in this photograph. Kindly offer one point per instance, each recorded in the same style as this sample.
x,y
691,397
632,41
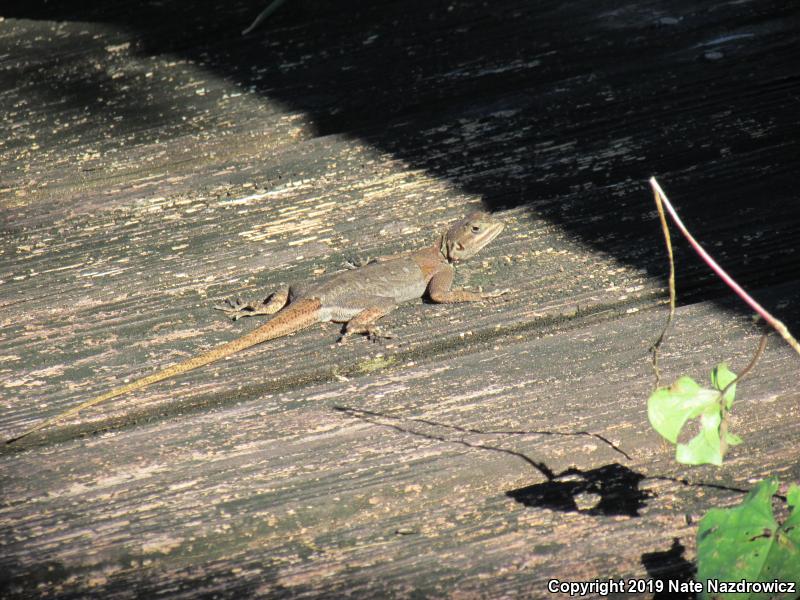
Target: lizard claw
x,y
236,309
355,262
230,308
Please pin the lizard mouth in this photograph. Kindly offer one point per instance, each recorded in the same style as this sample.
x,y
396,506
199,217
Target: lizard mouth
x,y
487,236
477,243
493,234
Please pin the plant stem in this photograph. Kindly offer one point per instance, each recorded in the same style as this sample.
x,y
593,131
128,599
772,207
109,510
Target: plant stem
x,y
774,323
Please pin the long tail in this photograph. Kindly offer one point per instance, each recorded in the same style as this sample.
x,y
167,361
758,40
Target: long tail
x,y
298,315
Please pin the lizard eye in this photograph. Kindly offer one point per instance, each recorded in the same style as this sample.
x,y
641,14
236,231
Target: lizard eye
x,y
475,229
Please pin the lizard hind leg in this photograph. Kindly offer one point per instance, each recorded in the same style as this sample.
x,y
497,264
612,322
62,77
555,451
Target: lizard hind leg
x,y
236,309
364,322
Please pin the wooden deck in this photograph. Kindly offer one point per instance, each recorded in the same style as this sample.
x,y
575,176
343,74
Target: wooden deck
x,y
154,162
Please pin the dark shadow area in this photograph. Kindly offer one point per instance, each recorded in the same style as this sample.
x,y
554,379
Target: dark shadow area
x,y
609,490
248,582
672,570
16,580
612,489
563,107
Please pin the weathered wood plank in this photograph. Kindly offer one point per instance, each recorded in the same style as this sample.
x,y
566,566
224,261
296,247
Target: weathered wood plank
x,y
156,308
286,494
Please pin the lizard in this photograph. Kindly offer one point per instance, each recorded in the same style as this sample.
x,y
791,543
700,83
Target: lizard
x,y
357,297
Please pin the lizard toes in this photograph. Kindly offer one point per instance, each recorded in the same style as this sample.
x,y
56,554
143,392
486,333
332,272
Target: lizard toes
x,y
350,263
497,293
231,310
226,309
226,305
375,334
355,262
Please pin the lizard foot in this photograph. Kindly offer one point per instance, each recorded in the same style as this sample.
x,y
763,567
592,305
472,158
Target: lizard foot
x,y
355,262
495,293
236,309
374,334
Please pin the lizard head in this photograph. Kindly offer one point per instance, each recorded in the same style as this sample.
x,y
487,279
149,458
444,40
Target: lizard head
x,y
466,237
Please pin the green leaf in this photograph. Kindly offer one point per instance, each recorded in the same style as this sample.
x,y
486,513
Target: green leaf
x,y
705,447
721,376
670,408
793,497
733,440
746,542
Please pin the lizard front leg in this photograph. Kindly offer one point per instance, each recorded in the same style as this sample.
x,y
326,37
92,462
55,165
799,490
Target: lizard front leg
x,y
439,290
269,306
